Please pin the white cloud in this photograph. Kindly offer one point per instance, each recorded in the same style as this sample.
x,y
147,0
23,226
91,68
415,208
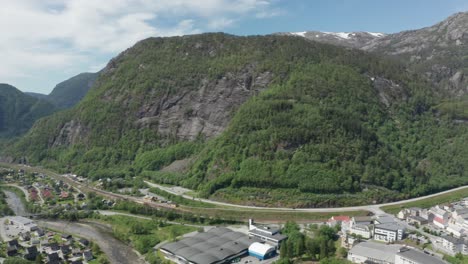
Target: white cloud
x,y
43,37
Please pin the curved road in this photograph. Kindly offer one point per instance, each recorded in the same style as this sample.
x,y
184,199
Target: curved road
x,y
26,194
374,208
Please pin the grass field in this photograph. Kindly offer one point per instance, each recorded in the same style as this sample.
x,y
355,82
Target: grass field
x,y
429,202
271,216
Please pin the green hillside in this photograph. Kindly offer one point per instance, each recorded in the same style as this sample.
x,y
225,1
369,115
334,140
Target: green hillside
x,y
68,93
270,120
19,111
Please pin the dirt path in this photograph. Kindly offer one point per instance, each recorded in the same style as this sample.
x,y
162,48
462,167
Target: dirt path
x,y
115,250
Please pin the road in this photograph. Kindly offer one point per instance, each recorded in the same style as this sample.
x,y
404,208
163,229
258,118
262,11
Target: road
x,y
374,208
115,250
26,193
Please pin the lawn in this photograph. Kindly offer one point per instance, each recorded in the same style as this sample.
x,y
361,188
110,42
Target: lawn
x,y
143,234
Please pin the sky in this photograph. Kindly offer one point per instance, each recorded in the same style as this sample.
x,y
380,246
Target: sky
x,y
44,42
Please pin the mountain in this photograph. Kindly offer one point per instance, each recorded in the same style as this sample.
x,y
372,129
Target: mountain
x,y
346,39
68,93
19,111
272,120
439,52
37,95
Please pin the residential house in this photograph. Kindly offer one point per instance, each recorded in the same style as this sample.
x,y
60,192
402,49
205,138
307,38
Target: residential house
x,y
361,226
66,237
339,220
31,253
441,217
53,258
87,255
83,242
416,220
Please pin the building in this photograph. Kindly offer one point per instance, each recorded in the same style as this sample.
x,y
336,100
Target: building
x,y
268,234
456,230
453,245
338,220
364,231
377,253
441,217
218,245
389,232
416,220
23,223
373,252
412,256
261,251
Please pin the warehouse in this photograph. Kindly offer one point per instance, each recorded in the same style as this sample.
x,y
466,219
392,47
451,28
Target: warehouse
x,y
23,223
217,246
261,251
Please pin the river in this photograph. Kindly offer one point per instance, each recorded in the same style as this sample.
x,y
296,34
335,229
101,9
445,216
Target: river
x,y
15,203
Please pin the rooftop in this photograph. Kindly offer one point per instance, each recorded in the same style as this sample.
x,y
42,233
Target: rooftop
x,y
210,247
419,257
390,226
376,250
277,236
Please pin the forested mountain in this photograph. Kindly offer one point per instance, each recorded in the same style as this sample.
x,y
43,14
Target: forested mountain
x,y
275,120
438,52
68,93
272,119
19,111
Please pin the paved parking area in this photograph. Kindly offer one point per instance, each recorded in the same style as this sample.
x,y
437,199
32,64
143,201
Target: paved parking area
x,y
254,260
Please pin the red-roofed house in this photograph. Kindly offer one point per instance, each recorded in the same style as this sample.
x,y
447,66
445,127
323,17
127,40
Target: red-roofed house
x,y
338,220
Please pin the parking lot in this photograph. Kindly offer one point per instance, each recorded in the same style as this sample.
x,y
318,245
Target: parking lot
x,y
254,260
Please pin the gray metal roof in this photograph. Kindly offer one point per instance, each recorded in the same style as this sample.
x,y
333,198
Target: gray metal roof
x,y
374,250
277,236
420,257
390,226
210,247
204,258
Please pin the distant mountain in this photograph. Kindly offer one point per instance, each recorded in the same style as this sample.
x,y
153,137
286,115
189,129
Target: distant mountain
x,y
346,39
18,111
68,93
37,95
440,52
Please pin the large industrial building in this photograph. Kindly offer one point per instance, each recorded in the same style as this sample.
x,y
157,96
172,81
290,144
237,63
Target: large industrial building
x,y
268,234
217,246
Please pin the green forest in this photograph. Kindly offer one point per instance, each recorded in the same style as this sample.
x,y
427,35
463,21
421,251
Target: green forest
x,y
319,135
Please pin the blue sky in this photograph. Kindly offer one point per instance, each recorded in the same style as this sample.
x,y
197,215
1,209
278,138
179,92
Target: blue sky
x,y
45,42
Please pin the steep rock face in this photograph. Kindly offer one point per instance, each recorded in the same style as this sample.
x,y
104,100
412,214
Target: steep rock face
x,y
71,133
204,111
